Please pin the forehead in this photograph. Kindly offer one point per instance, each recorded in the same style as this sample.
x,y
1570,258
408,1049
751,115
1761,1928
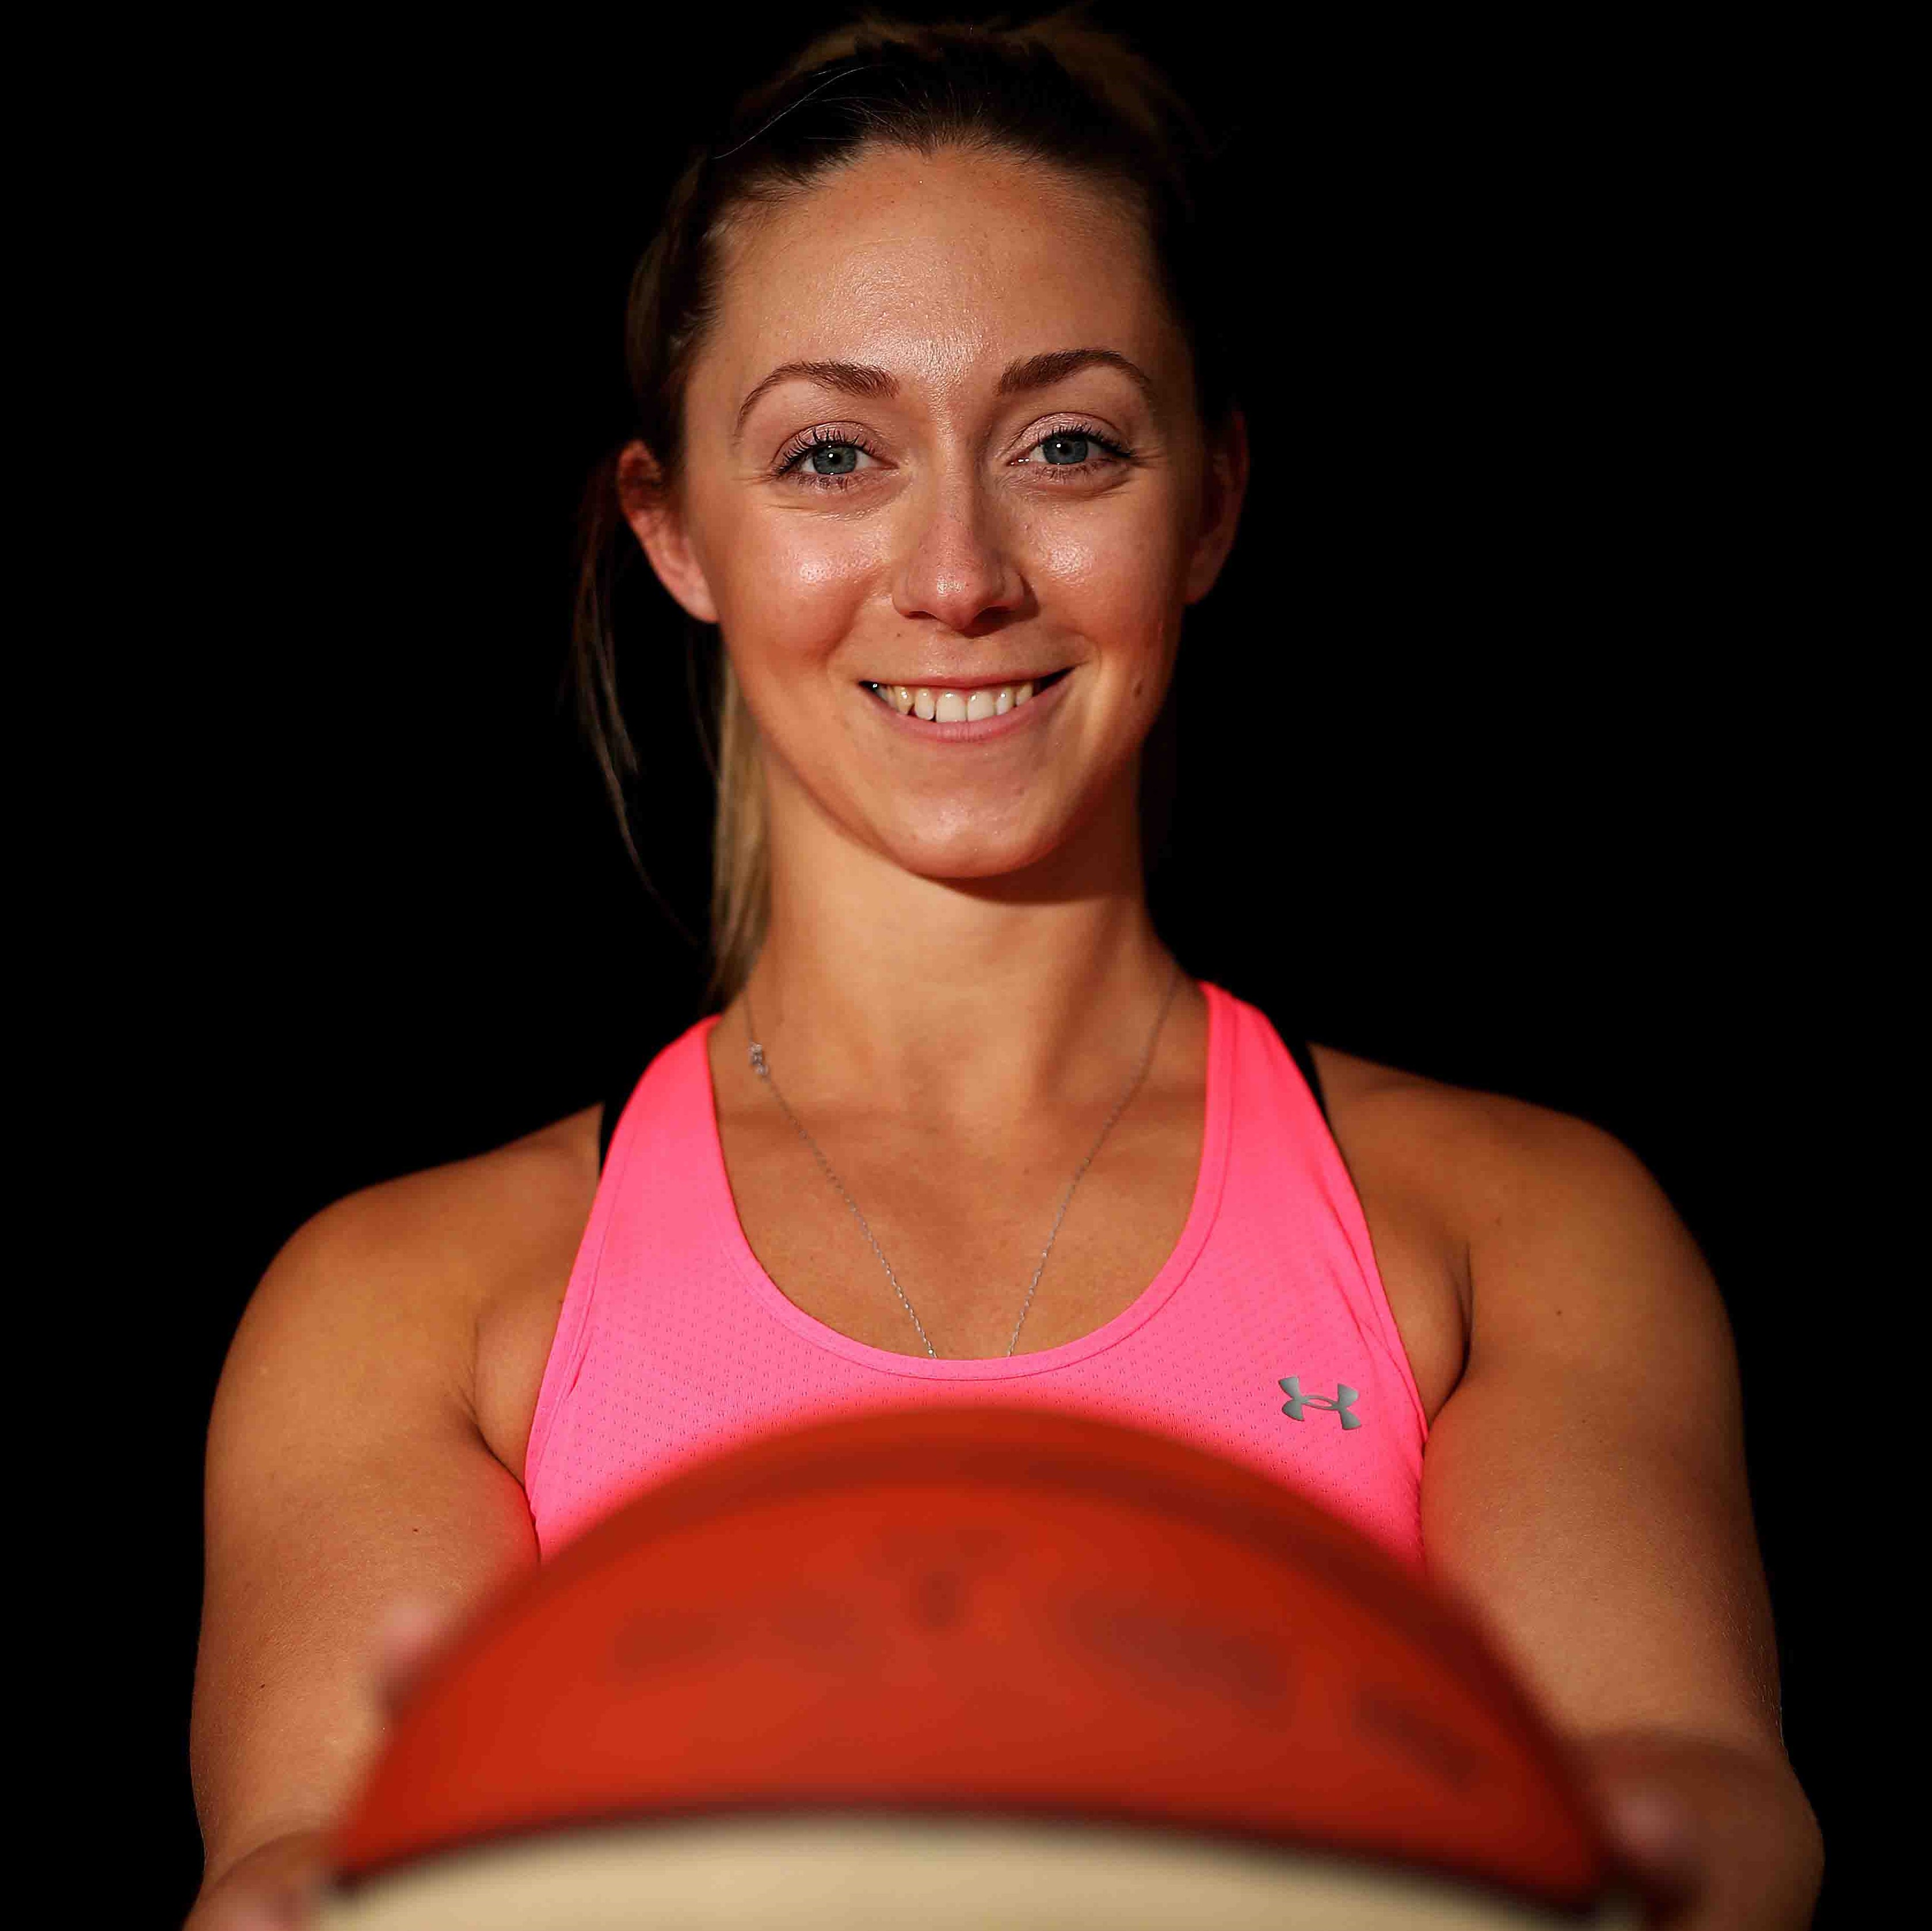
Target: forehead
x,y
939,267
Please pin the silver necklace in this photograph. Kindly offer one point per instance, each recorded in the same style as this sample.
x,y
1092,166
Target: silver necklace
x,y
761,1067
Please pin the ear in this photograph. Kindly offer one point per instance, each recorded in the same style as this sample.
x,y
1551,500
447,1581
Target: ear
x,y
657,523
1224,483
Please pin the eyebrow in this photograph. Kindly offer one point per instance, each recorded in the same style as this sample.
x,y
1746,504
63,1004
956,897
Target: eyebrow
x,y
1030,373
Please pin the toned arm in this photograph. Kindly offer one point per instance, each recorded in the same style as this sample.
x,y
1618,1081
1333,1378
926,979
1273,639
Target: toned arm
x,y
1584,1487
347,1469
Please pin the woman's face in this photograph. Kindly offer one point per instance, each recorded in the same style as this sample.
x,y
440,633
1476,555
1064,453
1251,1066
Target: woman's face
x,y
942,440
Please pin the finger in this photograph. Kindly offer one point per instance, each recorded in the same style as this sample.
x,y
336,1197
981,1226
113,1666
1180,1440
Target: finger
x,y
261,1917
282,1911
411,1630
1654,1840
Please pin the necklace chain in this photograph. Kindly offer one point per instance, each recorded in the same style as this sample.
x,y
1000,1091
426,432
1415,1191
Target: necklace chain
x,y
762,1068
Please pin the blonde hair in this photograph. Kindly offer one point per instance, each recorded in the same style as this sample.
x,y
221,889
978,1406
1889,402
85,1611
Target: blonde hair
x,y
1058,90
741,864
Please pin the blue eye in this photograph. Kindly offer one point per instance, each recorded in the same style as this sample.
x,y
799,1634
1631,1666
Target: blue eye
x,y
1085,449
833,460
829,460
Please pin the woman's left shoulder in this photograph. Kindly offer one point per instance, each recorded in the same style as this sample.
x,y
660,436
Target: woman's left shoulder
x,y
1585,1490
1524,1245
1484,1161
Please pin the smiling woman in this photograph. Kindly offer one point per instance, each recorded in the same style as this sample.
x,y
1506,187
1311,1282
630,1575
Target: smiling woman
x,y
1025,499
936,429
900,177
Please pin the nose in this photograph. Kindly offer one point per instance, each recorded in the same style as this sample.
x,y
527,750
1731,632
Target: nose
x,y
957,570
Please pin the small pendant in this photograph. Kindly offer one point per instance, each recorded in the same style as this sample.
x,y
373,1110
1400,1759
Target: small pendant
x,y
758,1061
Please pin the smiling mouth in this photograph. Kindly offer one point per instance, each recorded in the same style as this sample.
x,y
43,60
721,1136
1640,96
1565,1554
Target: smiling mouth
x,y
940,703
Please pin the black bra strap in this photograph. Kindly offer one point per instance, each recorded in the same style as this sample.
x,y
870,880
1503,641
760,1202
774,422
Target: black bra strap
x,y
1297,1051
629,1069
1284,1022
613,1109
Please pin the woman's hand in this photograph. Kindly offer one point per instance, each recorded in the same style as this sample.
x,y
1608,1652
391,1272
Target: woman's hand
x,y
275,1887
1711,1837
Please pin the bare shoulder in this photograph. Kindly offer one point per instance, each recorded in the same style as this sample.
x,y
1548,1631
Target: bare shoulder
x,y
1585,1485
351,1462
457,1212
1470,1196
461,1265
1478,1158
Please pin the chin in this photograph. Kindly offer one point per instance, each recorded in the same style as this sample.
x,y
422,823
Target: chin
x,y
966,853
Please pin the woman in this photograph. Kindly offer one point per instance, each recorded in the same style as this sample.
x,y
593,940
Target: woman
x,y
935,427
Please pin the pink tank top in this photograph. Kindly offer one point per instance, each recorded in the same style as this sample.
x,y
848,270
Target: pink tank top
x,y
1267,1336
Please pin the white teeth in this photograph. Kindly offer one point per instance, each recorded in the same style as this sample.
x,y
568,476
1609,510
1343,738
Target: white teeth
x,y
955,707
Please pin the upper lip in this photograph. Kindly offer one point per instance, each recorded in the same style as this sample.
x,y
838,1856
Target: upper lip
x,y
970,680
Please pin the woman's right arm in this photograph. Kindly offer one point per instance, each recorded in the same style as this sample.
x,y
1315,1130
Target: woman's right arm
x,y
345,1473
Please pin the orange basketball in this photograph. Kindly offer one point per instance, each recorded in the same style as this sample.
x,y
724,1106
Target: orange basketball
x,y
969,1666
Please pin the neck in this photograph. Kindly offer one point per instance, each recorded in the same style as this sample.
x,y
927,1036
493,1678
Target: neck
x,y
969,998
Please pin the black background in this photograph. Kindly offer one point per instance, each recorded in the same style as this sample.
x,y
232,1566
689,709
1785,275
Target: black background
x,y
1486,739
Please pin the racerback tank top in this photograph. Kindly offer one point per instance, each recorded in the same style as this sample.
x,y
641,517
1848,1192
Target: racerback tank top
x,y
1266,1337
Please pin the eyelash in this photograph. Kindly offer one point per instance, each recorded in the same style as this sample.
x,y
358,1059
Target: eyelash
x,y
789,460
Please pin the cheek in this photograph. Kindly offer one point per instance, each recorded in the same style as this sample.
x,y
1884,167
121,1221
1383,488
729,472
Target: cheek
x,y
1115,578
789,586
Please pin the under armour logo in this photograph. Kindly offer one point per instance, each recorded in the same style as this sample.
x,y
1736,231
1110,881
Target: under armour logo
x,y
1343,1404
